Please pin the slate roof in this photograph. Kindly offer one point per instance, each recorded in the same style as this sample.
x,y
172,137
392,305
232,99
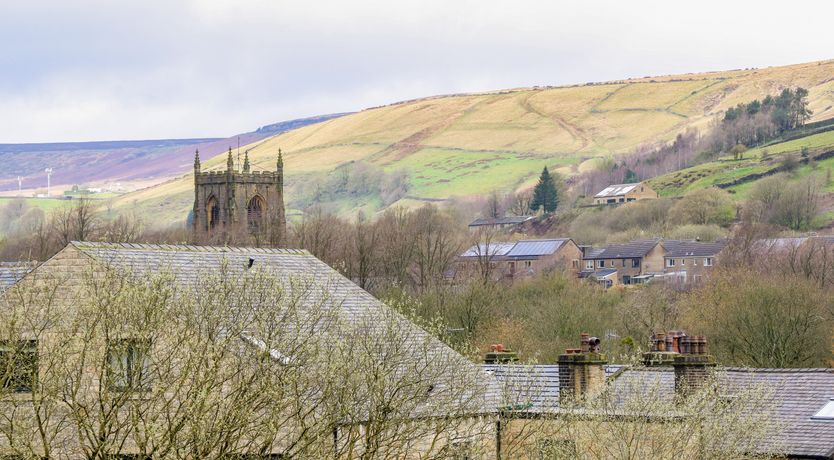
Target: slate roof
x,y
616,190
679,248
631,250
12,272
188,263
516,250
507,220
488,250
536,387
794,396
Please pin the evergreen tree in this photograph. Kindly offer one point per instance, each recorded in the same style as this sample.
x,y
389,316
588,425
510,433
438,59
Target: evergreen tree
x,y
545,194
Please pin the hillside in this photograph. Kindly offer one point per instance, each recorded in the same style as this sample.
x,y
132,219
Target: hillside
x,y
119,161
462,145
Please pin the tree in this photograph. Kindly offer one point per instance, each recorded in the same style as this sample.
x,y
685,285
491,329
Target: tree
x,y
545,194
738,151
704,207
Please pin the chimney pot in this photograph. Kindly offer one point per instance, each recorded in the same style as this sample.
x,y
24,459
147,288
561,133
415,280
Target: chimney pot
x,y
499,347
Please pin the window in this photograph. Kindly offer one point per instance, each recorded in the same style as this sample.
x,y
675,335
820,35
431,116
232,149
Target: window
x,y
670,262
826,412
635,263
528,263
622,199
612,200
626,279
601,263
683,261
707,261
461,450
129,363
18,365
574,263
589,264
555,449
623,263
212,214
254,213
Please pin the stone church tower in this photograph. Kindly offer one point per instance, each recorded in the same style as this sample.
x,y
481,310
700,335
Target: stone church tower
x,y
237,203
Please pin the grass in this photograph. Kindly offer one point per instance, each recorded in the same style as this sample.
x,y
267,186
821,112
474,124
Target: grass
x,y
46,204
464,145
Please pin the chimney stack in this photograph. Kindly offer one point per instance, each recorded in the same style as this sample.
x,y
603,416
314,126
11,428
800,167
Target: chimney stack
x,y
581,370
499,355
693,366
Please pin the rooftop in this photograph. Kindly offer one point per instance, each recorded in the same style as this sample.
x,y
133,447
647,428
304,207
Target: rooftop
x,y
516,249
632,249
682,248
506,220
616,190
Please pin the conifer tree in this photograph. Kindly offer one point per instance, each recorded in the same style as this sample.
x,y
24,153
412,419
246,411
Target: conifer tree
x,y
545,194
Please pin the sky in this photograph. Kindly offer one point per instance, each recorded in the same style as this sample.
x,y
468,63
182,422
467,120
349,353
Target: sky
x,y
86,70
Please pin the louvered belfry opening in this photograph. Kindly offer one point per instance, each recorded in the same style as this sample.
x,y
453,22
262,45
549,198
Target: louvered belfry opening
x,y
255,212
213,213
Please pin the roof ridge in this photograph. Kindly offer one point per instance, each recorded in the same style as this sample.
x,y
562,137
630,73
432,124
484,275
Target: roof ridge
x,y
185,248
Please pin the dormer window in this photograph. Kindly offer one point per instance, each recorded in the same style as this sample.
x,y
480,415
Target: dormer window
x,y
826,412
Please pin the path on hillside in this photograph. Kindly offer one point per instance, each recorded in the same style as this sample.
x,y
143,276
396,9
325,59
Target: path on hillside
x,y
575,131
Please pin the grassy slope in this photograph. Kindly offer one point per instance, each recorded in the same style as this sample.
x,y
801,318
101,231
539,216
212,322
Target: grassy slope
x,y
726,169
469,144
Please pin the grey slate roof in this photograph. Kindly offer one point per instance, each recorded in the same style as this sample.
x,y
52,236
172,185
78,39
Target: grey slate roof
x,y
507,220
631,250
188,263
12,272
794,396
682,248
535,387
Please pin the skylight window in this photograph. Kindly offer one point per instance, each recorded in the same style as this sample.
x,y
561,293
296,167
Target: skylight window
x,y
826,413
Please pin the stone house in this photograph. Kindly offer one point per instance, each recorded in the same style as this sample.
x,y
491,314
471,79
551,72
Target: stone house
x,y
689,261
624,193
140,371
634,261
502,223
797,403
519,259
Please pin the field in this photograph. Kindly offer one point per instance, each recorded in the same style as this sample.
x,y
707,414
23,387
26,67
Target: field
x,y
463,145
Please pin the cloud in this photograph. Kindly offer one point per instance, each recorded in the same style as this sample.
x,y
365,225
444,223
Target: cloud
x,y
91,69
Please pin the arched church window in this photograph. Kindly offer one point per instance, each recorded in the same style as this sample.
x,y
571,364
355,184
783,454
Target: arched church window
x,y
255,211
212,213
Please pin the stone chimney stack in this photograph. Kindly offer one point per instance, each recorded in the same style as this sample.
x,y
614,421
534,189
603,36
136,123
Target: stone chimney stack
x,y
581,370
499,355
693,365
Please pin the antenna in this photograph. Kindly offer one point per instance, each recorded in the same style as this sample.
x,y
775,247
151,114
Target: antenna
x,y
48,172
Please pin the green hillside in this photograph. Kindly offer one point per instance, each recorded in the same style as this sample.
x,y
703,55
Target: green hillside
x,y
463,145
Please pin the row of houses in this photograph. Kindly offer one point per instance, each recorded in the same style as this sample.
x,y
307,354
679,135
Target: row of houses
x,y
504,401
635,262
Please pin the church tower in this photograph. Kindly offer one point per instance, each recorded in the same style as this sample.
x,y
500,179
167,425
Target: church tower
x,y
232,203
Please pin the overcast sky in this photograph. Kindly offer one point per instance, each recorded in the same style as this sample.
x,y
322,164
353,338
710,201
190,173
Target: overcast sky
x,y
105,70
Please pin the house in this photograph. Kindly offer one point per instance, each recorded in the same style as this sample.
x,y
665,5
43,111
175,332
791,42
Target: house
x,y
634,261
689,261
261,352
624,193
796,404
519,259
506,222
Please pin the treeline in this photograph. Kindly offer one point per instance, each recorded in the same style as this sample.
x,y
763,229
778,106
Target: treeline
x,y
738,128
757,122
